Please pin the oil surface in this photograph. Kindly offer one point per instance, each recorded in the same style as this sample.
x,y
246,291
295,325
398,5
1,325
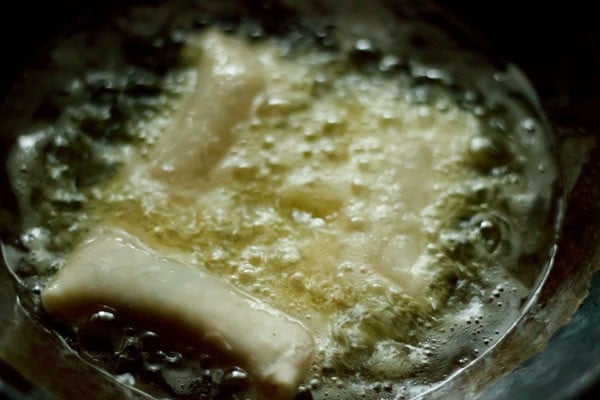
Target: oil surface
x,y
393,195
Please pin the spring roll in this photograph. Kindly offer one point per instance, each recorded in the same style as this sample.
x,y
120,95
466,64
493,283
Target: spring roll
x,y
115,269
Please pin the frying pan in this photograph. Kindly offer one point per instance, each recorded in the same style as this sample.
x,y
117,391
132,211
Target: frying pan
x,y
555,44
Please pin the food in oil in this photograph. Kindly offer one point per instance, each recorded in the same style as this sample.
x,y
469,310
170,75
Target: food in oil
x,y
383,206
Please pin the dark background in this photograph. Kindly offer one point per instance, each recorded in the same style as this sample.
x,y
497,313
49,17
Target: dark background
x,y
553,41
525,30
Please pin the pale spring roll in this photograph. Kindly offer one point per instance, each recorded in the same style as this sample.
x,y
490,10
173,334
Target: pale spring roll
x,y
229,79
114,269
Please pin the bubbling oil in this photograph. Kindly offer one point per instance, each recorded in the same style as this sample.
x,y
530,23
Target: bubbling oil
x,y
322,209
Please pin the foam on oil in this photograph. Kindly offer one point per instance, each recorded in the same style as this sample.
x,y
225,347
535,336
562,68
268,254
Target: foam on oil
x,y
393,196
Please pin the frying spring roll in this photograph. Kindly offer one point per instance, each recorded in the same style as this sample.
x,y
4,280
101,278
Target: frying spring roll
x,y
116,270
229,77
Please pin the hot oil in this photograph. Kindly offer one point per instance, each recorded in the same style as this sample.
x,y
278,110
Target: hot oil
x,y
279,229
